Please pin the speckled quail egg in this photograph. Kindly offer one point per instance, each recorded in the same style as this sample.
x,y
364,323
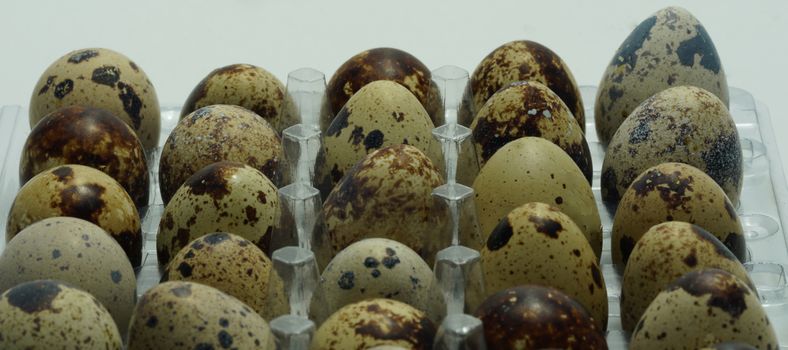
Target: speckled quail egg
x,y
375,322
682,124
77,252
666,252
381,114
243,85
218,133
221,197
532,169
538,244
729,345
387,195
89,136
378,268
48,314
529,109
235,266
674,191
703,308
100,78
523,60
536,317
382,64
187,315
670,48
81,192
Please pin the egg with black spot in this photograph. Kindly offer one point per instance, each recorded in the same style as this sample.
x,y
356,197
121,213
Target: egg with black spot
x,y
538,244
683,124
728,345
703,308
49,314
680,192
80,192
101,78
666,252
670,48
221,197
375,322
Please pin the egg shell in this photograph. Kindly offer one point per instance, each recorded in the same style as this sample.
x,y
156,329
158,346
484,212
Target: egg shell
x,y
235,266
682,124
523,60
244,85
92,137
731,346
48,314
378,268
537,244
375,322
703,308
674,191
102,78
221,197
670,48
218,133
537,317
80,192
386,195
529,109
666,252
532,169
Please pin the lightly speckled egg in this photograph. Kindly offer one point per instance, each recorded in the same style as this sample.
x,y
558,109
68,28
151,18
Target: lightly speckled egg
x,y
682,124
674,191
100,78
375,322
670,48
244,85
218,133
81,192
77,252
221,197
529,109
48,314
186,315
532,169
703,308
537,244
235,266
88,136
536,317
387,195
666,252
523,60
378,268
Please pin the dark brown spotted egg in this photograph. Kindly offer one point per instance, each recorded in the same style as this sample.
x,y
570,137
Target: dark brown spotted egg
x,y
703,308
100,78
221,197
529,109
682,124
244,85
81,192
235,266
48,314
670,48
536,317
537,244
532,169
523,60
186,315
89,136
674,191
666,252
375,322
218,133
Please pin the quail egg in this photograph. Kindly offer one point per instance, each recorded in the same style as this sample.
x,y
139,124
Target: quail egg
x,y
729,345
